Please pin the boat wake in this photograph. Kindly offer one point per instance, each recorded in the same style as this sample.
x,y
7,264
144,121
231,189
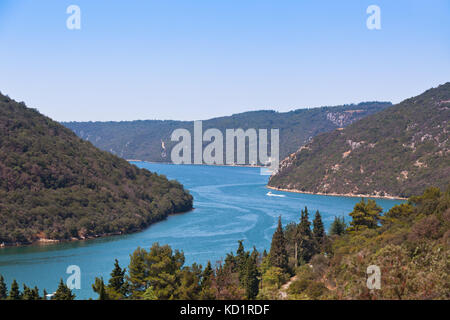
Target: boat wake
x,y
270,194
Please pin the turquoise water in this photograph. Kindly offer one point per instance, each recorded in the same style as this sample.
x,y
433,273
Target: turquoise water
x,y
231,203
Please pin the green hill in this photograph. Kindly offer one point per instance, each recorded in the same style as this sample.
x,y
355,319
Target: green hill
x,y
54,185
143,139
398,152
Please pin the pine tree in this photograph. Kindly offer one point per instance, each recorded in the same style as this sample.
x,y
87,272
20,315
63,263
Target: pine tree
x,y
251,282
99,288
207,291
117,280
304,227
137,272
365,215
338,226
255,254
63,292
36,293
278,254
44,295
306,243
3,289
14,293
30,294
318,229
189,287
207,274
241,259
240,252
145,269
27,293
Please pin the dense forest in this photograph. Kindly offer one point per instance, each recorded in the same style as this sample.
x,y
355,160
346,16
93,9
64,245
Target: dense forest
x,y
410,244
143,139
56,186
396,152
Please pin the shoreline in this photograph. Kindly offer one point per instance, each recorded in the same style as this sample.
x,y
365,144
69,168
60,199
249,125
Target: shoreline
x,y
45,242
200,164
351,195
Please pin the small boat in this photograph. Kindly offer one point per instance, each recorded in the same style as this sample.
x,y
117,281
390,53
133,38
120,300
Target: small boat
x,y
270,194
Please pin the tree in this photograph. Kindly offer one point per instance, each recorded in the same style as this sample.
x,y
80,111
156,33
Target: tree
x,y
14,292
3,289
159,268
399,211
30,294
207,291
307,246
241,260
365,215
117,281
207,274
99,288
338,226
189,287
63,292
137,272
272,280
278,254
251,282
163,267
27,293
318,228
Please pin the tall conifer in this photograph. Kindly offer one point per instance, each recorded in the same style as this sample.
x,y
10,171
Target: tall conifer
x,y
318,229
278,254
3,289
14,293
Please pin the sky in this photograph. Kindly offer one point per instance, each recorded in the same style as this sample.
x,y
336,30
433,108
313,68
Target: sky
x,y
198,59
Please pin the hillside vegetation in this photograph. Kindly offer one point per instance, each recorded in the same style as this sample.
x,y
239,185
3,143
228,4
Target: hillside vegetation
x,y
54,185
409,245
396,152
143,139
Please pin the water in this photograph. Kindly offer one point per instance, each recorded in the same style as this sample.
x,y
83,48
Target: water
x,y
231,204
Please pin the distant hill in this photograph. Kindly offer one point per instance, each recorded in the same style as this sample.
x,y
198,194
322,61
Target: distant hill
x,y
143,139
55,186
398,151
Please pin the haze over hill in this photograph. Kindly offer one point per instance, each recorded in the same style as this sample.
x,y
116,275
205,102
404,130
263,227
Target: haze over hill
x,y
54,185
143,139
398,151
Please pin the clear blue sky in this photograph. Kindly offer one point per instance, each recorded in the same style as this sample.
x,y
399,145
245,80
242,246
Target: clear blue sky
x,y
197,59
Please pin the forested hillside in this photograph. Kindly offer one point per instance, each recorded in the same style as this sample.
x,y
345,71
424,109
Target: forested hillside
x,y
54,185
410,244
144,139
396,152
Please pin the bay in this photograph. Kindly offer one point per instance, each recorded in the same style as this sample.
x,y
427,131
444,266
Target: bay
x,y
231,204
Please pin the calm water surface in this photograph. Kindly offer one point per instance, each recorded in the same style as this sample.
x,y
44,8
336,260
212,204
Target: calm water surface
x,y
231,203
